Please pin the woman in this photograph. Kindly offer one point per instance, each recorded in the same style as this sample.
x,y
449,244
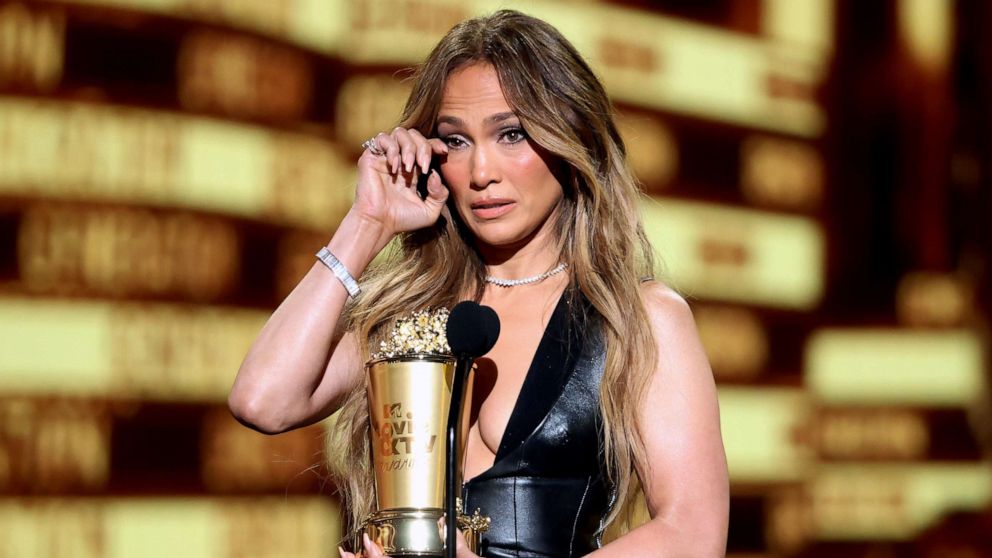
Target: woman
x,y
597,388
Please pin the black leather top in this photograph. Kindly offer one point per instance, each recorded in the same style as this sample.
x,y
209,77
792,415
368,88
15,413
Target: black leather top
x,y
546,492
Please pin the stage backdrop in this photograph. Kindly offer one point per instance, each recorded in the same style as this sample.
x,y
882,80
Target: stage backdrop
x,y
168,168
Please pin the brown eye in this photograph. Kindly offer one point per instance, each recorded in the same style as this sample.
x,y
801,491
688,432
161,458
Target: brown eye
x,y
453,142
513,135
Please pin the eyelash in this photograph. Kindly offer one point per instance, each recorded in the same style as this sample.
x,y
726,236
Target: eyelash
x,y
518,131
450,140
521,135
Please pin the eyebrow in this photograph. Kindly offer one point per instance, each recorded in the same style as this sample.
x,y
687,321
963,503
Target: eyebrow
x,y
491,119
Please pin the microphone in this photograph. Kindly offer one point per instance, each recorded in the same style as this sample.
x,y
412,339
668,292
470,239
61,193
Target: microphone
x,y
472,330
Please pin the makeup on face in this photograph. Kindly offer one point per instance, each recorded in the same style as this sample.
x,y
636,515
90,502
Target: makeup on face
x,y
500,183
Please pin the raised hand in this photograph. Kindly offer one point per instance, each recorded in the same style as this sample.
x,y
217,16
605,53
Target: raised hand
x,y
387,181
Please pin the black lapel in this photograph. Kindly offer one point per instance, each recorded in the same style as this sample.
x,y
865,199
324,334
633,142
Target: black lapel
x,y
553,364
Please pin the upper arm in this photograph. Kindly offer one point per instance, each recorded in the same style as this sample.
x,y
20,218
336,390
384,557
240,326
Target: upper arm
x,y
684,477
274,403
342,374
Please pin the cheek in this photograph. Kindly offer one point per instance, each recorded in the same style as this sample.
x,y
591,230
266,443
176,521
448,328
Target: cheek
x,y
533,171
454,174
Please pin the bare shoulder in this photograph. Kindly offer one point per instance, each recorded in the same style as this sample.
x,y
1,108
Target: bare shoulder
x,y
682,361
660,296
682,374
668,311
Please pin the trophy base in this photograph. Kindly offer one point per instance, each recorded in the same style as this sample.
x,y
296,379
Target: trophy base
x,y
414,532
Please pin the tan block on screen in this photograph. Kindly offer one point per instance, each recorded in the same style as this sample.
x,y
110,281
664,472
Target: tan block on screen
x,y
740,255
765,434
170,352
879,366
169,527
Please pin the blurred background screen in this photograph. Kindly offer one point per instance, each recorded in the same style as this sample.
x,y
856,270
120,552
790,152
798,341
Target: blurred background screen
x,y
817,178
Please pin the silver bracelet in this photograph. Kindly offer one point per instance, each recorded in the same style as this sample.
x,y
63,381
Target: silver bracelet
x,y
339,270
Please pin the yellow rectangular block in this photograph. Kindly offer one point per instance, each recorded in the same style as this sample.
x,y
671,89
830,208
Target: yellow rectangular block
x,y
871,501
762,434
270,527
146,157
126,350
738,255
874,366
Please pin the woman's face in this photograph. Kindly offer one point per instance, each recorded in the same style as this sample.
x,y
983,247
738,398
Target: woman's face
x,y
499,180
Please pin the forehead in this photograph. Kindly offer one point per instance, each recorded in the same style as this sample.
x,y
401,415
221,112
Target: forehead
x,y
473,90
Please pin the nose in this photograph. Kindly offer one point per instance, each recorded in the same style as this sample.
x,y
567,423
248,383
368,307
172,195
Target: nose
x,y
485,168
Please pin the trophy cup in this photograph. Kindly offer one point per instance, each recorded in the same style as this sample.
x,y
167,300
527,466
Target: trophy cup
x,y
412,382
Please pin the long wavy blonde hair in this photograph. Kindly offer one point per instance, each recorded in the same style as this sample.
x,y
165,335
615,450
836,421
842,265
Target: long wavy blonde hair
x,y
565,110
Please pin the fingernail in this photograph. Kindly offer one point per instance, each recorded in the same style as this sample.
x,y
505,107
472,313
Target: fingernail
x,y
366,540
434,183
341,552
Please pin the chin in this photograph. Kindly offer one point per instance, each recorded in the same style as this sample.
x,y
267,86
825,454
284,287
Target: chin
x,y
498,235
497,241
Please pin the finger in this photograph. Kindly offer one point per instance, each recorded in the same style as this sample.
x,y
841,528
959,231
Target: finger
x,y
408,148
438,146
461,546
388,144
423,150
345,554
427,148
372,549
437,194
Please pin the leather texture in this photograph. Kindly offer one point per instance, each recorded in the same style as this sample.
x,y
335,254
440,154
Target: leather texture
x,y
546,491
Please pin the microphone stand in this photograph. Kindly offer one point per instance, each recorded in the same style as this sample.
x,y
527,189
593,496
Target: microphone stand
x,y
462,367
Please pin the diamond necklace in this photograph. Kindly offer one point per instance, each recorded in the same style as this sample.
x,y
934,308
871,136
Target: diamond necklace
x,y
514,282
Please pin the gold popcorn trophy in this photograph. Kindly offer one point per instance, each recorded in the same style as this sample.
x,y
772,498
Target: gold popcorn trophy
x,y
413,382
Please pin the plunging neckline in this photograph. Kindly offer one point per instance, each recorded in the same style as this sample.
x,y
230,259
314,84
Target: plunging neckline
x,y
549,369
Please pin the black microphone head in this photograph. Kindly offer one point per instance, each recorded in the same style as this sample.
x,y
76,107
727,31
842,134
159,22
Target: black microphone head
x,y
472,329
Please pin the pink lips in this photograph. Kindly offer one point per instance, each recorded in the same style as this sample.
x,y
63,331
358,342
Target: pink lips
x,y
492,208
